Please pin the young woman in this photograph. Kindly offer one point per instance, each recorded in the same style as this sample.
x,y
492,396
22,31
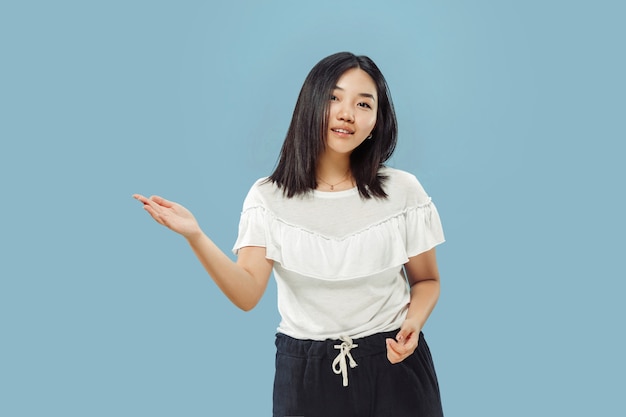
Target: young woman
x,y
351,243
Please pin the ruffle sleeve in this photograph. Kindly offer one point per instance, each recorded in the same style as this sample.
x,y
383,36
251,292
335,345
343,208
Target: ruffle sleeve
x,y
253,221
252,229
422,228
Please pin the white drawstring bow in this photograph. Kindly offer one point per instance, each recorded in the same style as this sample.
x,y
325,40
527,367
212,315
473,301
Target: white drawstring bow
x,y
344,350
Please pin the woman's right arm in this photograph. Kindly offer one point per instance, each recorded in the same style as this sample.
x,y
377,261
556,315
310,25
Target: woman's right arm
x,y
243,282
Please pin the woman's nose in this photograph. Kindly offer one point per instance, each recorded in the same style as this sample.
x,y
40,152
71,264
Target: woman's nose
x,y
345,114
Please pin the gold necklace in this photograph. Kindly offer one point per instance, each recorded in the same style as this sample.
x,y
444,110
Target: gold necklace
x,y
332,186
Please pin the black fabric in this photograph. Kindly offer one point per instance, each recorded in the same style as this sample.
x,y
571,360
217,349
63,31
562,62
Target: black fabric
x,y
306,386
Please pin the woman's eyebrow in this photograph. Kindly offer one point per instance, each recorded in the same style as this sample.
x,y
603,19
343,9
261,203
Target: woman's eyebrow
x,y
366,95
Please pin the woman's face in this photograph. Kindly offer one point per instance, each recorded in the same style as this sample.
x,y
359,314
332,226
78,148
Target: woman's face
x,y
352,111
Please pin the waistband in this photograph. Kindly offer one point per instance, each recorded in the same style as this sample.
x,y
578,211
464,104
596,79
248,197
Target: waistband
x,y
346,351
367,346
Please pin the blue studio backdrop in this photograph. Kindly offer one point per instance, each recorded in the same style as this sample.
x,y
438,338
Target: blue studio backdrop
x,y
510,114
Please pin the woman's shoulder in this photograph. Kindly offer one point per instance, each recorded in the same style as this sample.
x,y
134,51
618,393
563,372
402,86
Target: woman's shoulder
x,y
398,175
405,185
399,178
261,192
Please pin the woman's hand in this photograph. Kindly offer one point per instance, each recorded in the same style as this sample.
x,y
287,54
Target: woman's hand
x,y
404,344
171,215
423,277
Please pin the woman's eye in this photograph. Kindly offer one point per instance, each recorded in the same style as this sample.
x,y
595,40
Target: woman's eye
x,y
367,106
333,98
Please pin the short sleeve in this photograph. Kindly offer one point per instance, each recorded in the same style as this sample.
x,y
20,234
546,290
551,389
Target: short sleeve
x,y
252,223
423,229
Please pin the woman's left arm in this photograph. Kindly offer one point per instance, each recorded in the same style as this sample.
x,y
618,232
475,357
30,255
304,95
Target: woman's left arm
x,y
423,276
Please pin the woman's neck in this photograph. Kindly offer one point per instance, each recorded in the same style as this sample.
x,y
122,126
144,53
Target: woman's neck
x,y
333,173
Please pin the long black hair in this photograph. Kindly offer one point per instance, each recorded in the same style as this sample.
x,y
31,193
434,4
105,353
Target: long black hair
x,y
305,140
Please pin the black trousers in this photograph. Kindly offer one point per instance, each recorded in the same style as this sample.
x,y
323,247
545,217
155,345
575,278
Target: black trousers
x,y
305,384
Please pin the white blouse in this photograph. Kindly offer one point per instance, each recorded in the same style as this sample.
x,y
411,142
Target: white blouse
x,y
338,258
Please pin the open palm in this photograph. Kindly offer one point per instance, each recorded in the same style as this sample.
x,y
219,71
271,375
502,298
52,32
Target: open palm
x,y
170,214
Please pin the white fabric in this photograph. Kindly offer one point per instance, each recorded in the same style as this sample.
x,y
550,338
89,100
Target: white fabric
x,y
338,257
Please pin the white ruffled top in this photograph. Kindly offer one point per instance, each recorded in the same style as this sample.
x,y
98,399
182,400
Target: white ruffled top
x,y
338,258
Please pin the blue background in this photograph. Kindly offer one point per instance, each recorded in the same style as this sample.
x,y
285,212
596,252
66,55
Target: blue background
x,y
511,114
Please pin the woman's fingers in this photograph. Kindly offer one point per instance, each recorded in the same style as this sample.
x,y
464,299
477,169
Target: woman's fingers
x,y
151,206
392,351
155,199
170,214
161,201
140,198
398,351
